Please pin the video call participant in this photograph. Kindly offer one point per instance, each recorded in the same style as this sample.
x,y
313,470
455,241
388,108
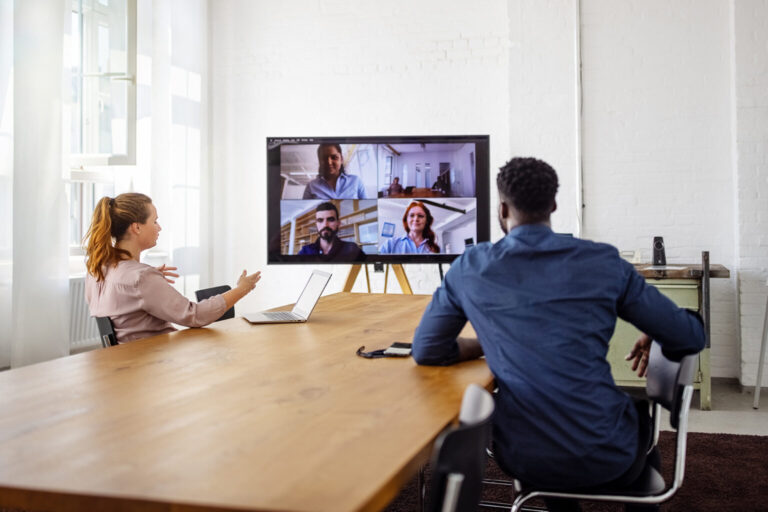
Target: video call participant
x,y
442,184
135,296
544,308
332,181
328,245
395,187
419,237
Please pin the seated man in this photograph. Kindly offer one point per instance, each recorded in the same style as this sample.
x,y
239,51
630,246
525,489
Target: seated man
x,y
443,184
544,307
328,246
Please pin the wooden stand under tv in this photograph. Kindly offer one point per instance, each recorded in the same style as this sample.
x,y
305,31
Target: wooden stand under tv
x,y
397,268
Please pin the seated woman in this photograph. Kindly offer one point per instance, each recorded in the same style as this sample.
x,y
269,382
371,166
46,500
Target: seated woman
x,y
395,187
419,237
136,296
333,181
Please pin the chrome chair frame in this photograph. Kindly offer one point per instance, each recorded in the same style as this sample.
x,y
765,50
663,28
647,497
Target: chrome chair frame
x,y
669,385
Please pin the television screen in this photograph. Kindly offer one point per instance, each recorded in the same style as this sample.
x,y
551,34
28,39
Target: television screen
x,y
376,199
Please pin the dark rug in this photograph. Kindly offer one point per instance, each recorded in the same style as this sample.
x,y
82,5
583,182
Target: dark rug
x,y
722,472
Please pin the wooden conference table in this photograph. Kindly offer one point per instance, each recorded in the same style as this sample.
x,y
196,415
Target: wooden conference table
x,y
232,417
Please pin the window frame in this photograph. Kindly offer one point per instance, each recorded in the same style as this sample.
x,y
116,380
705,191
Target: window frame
x,y
90,169
82,161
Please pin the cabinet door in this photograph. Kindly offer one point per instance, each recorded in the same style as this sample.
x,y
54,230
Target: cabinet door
x,y
683,292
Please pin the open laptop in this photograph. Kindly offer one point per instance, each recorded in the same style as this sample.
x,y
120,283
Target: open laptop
x,y
303,307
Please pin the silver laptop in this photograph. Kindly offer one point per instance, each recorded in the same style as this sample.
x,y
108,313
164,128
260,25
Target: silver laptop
x,y
303,307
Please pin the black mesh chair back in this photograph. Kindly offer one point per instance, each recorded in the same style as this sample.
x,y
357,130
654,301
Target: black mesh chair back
x,y
106,331
666,381
459,457
216,290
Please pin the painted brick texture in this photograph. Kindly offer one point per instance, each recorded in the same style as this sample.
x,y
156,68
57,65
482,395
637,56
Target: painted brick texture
x,y
672,139
325,68
656,139
750,20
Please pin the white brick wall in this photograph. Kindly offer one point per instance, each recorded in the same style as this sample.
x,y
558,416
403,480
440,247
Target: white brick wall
x,y
673,142
342,68
543,76
656,139
750,21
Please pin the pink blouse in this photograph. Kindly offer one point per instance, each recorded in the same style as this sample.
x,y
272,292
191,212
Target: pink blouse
x,y
141,303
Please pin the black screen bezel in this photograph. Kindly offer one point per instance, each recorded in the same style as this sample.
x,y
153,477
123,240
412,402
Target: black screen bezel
x,y
482,194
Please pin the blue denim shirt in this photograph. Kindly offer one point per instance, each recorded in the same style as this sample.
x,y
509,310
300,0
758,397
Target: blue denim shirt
x,y
347,187
544,307
404,245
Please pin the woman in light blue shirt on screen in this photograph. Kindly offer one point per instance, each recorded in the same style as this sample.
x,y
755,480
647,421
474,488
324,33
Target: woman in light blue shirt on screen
x,y
332,181
419,237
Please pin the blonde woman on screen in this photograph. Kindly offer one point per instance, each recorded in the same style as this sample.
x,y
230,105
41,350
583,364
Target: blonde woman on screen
x,y
419,237
137,297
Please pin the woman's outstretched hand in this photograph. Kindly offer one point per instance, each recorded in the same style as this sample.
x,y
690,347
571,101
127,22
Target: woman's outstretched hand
x,y
248,282
168,273
245,283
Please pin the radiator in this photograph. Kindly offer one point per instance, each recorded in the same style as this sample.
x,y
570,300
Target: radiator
x,y
83,333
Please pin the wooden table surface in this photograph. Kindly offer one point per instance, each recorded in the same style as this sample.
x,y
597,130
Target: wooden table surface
x,y
232,417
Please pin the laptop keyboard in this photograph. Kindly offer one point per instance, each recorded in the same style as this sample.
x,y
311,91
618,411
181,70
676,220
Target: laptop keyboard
x,y
280,315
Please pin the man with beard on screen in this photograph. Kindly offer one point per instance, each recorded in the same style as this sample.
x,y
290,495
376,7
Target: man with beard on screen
x,y
328,246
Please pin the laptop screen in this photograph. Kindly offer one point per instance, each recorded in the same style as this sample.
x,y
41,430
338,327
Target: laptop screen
x,y
311,293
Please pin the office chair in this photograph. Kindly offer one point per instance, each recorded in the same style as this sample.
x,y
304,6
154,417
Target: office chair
x,y
459,459
216,290
670,385
106,331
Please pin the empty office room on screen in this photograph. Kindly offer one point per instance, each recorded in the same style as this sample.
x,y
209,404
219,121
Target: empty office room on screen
x,y
339,158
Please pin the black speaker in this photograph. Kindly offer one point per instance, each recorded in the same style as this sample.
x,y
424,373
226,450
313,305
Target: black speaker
x,y
659,256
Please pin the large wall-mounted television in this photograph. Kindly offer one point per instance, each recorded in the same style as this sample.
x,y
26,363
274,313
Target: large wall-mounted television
x,y
376,199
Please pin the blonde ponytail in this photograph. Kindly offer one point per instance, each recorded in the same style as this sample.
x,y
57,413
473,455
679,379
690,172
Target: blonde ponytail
x,y
111,219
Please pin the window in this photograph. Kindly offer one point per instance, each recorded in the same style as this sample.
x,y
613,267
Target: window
x,y
100,114
82,193
102,63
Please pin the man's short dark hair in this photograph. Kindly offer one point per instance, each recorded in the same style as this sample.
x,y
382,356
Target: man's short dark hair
x,y
530,186
327,206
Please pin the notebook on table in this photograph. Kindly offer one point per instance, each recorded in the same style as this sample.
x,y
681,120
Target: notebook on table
x,y
303,307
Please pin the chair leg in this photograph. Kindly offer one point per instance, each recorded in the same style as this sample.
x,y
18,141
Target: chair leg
x,y
494,481
517,505
761,359
422,489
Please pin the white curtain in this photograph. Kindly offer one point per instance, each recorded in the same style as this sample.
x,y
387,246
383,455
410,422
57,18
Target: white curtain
x,y
38,252
171,161
6,185
172,124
